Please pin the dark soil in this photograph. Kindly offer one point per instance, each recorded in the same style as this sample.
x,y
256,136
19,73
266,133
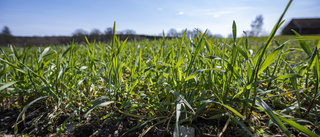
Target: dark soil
x,y
7,119
38,123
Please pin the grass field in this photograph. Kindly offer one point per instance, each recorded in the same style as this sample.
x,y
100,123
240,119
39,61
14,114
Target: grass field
x,y
230,87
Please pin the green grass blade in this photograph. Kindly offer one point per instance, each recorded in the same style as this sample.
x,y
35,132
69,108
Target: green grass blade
x,y
44,52
287,93
267,44
288,76
312,59
198,72
234,32
36,74
242,52
149,128
14,51
303,44
272,116
180,45
13,65
234,50
122,46
103,104
145,122
316,73
299,127
307,38
176,132
24,110
241,124
270,58
66,51
63,126
233,110
180,62
181,99
113,37
4,86
224,105
195,55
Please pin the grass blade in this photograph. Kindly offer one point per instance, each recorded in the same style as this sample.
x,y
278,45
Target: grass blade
x,y
299,127
303,43
270,59
241,124
103,104
4,86
233,110
272,115
44,52
24,110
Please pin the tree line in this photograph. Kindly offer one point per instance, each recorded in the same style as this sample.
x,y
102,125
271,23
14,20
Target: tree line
x,y
79,35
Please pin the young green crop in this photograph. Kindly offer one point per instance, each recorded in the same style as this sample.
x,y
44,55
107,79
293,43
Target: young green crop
x,y
171,82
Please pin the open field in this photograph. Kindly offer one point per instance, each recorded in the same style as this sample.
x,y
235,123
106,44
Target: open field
x,y
154,84
221,87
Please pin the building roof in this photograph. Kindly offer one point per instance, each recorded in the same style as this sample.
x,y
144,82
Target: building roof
x,y
307,23
302,26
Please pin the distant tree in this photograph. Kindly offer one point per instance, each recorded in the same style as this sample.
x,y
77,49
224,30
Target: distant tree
x,y
196,32
6,31
6,37
181,33
95,32
108,31
79,32
189,34
256,26
78,35
172,33
129,32
217,36
208,34
119,32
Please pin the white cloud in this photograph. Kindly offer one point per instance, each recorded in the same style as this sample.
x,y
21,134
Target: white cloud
x,y
181,13
219,12
214,13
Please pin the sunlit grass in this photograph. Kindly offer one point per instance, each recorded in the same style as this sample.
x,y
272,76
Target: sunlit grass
x,y
254,83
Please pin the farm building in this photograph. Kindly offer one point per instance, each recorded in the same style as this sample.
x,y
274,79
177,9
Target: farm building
x,y
302,26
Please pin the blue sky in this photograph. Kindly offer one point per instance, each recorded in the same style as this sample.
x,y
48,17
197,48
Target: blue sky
x,y
63,17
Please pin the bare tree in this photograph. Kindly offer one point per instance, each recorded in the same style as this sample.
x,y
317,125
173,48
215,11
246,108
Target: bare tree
x,y
6,31
129,32
217,36
78,35
108,31
256,26
208,34
189,34
79,32
95,32
196,32
172,33
6,37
